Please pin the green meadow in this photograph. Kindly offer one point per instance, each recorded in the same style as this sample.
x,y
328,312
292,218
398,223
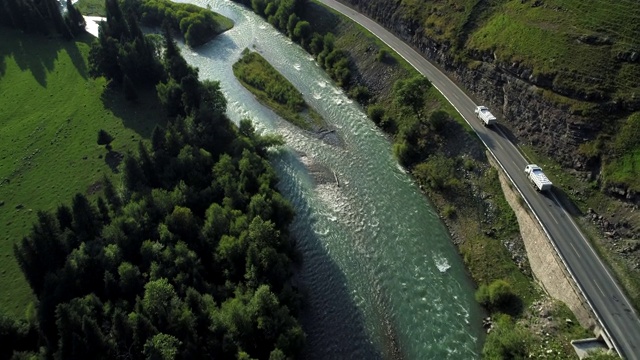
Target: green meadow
x,y
50,114
574,42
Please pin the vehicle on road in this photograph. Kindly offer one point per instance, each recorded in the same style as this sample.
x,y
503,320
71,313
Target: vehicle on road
x,y
483,113
537,177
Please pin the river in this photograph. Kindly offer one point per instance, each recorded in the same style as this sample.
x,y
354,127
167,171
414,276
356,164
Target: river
x,y
380,274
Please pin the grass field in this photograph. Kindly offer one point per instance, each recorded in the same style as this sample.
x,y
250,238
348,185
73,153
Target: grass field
x,y
574,42
547,40
50,115
91,7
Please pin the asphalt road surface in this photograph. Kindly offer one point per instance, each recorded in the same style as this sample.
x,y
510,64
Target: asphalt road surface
x,y
606,298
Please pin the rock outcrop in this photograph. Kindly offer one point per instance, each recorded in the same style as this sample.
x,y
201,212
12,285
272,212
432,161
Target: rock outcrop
x,y
534,107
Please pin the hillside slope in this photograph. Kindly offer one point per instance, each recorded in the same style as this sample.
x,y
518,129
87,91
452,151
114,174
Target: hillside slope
x,y
584,132
562,73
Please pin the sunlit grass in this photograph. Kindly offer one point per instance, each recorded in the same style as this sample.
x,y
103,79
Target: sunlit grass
x,y
51,113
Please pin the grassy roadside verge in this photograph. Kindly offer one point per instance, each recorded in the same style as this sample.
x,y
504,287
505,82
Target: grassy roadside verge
x,y
275,91
51,114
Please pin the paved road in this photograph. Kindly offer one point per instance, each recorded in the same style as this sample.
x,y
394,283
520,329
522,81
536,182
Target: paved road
x,y
606,298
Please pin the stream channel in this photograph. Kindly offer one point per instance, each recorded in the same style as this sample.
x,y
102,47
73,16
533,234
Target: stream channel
x,y
381,277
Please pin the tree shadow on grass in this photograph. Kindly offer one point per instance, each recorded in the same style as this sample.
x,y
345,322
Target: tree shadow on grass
x,y
334,324
141,116
39,60
77,58
322,19
113,160
38,53
3,63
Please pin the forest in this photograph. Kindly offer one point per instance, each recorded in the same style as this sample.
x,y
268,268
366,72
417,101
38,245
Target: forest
x,y
186,255
196,24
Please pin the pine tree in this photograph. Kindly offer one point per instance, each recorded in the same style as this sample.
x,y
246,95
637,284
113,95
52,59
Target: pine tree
x,y
111,195
157,138
129,89
74,19
53,10
41,252
116,24
133,175
86,223
64,216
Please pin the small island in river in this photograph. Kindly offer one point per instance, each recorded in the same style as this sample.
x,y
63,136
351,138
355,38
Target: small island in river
x,y
273,90
197,24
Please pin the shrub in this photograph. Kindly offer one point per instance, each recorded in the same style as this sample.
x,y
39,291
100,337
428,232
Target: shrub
x,y
469,164
496,296
402,152
438,119
438,173
361,94
500,294
376,113
482,295
507,340
383,54
449,211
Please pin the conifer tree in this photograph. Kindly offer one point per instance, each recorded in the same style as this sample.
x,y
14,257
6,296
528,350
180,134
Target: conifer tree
x,y
129,89
74,19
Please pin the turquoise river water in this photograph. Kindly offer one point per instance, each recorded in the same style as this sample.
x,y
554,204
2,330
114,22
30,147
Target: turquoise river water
x,y
380,274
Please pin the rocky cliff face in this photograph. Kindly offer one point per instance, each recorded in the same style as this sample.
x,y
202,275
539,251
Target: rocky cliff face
x,y
510,90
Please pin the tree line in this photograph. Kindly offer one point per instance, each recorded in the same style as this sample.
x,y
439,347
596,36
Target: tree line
x,y
187,255
44,16
197,25
282,14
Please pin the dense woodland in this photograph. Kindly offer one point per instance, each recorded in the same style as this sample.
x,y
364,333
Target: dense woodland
x,y
186,256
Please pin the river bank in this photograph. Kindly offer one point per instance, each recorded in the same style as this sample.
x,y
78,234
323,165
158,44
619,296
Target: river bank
x,y
494,241
379,256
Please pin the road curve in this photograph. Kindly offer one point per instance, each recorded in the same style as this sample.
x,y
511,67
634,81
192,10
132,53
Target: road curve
x,y
601,291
